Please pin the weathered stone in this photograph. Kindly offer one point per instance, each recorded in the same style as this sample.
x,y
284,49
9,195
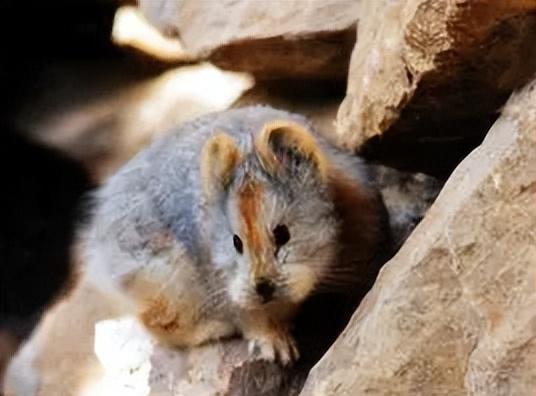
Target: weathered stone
x,y
453,312
131,30
428,76
107,119
88,344
8,346
271,39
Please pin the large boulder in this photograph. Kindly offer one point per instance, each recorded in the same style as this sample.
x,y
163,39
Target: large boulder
x,y
282,39
427,77
116,112
453,313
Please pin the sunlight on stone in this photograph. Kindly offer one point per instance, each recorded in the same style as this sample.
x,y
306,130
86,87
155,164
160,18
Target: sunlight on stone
x,y
123,349
105,132
130,28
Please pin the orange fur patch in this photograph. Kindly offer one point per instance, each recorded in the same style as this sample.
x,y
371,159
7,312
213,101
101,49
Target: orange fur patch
x,y
294,136
362,232
219,158
249,205
159,314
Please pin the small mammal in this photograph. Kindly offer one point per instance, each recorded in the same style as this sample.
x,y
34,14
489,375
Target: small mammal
x,y
227,225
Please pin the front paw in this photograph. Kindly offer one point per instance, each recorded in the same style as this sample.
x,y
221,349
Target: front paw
x,y
281,348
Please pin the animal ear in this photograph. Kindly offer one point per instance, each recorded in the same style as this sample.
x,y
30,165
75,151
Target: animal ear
x,y
284,145
219,158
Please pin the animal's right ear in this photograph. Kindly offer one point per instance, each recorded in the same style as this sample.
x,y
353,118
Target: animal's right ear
x,y
219,158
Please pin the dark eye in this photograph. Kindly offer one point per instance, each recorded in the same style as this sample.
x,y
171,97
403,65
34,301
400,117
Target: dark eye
x,y
237,242
281,235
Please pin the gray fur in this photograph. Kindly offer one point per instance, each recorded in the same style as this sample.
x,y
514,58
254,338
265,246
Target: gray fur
x,y
161,186
160,189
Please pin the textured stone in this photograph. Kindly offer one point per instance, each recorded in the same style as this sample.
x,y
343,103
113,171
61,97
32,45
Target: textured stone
x,y
87,345
428,76
453,312
272,39
108,118
8,346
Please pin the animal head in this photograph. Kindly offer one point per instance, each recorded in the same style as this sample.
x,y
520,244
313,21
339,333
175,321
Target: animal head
x,y
279,228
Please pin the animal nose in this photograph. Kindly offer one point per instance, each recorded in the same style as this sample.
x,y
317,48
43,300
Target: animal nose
x,y
265,288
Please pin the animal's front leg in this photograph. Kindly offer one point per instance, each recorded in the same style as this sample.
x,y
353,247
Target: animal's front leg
x,y
176,324
270,341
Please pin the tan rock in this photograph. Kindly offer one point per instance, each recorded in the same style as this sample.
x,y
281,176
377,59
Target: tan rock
x,y
88,345
132,30
108,118
282,38
8,347
430,71
453,313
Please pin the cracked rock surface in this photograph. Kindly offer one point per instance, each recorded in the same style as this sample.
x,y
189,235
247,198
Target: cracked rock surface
x,y
453,312
281,39
427,77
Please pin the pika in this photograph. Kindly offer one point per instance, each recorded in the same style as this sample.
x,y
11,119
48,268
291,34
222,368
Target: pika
x,y
228,224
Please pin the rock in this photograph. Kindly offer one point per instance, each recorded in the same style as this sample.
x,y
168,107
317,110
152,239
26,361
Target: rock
x,y
58,359
453,312
428,76
110,117
131,30
8,347
292,39
131,359
88,344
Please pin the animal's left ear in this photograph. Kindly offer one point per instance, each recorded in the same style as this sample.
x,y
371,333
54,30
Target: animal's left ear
x,y
284,145
219,158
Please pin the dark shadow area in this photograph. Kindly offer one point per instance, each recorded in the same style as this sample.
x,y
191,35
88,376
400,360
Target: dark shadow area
x,y
42,191
42,187
40,208
419,151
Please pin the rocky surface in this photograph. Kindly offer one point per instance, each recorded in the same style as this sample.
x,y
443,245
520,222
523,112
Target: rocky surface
x,y
113,115
88,345
453,312
295,38
8,347
427,77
